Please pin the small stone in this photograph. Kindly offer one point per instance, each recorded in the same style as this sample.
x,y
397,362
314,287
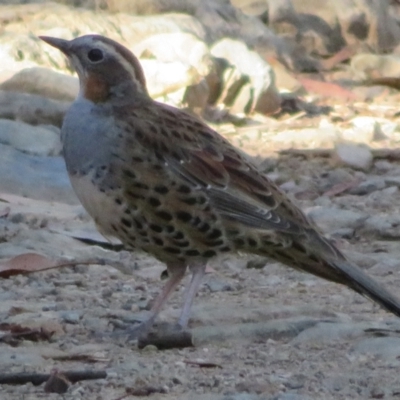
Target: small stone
x,y
150,348
377,393
218,285
71,317
387,348
329,332
353,155
296,381
332,219
368,186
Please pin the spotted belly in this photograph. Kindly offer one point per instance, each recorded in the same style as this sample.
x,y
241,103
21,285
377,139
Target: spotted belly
x,y
170,237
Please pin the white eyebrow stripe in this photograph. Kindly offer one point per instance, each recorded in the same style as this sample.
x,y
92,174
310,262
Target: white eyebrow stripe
x,y
110,49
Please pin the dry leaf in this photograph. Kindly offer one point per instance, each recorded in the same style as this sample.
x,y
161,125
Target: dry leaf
x,y
15,333
327,89
25,264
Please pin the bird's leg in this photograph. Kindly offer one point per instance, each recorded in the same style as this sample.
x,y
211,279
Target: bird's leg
x,y
177,273
198,271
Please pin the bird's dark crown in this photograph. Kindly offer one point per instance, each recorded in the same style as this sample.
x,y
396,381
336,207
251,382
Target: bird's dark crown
x,y
102,65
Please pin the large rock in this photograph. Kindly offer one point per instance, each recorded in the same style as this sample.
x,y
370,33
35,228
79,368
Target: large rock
x,y
32,109
44,82
36,140
249,80
325,26
42,178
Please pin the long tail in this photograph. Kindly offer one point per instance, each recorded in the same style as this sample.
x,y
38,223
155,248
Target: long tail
x,y
358,280
318,256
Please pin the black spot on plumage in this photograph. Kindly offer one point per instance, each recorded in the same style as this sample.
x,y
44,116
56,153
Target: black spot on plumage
x,y
196,221
161,189
204,227
134,195
140,185
214,234
183,189
225,249
215,243
118,201
169,228
191,201
209,253
165,215
185,243
172,250
178,236
126,222
138,224
183,216
164,132
156,228
139,134
158,241
192,252
205,133
154,202
175,133
252,242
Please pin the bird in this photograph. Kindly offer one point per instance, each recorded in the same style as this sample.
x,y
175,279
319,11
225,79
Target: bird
x,y
162,181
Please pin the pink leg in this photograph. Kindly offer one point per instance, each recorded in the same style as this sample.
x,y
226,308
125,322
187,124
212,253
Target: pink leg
x,y
177,273
176,276
197,277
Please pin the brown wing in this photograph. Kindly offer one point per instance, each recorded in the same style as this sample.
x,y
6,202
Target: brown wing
x,y
201,157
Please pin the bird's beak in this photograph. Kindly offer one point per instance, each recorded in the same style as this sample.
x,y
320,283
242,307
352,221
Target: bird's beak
x,y
60,44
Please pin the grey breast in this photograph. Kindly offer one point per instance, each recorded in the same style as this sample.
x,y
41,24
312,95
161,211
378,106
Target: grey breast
x,y
88,137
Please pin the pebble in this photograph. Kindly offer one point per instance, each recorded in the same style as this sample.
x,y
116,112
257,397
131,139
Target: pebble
x,y
333,219
329,332
387,348
383,226
71,317
353,155
368,186
218,285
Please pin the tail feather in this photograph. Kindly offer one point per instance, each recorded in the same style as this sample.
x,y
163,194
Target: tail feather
x,y
359,281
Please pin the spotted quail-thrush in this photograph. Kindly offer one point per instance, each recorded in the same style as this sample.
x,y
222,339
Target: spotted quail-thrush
x,y
164,182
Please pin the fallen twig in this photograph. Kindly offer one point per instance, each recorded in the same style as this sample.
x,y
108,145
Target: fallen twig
x,y
21,378
202,363
170,339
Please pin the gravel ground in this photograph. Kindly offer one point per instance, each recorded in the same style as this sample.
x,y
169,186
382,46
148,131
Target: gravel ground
x,y
264,333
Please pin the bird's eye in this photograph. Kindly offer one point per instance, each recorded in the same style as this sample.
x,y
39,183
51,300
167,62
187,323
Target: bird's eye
x,y
95,55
